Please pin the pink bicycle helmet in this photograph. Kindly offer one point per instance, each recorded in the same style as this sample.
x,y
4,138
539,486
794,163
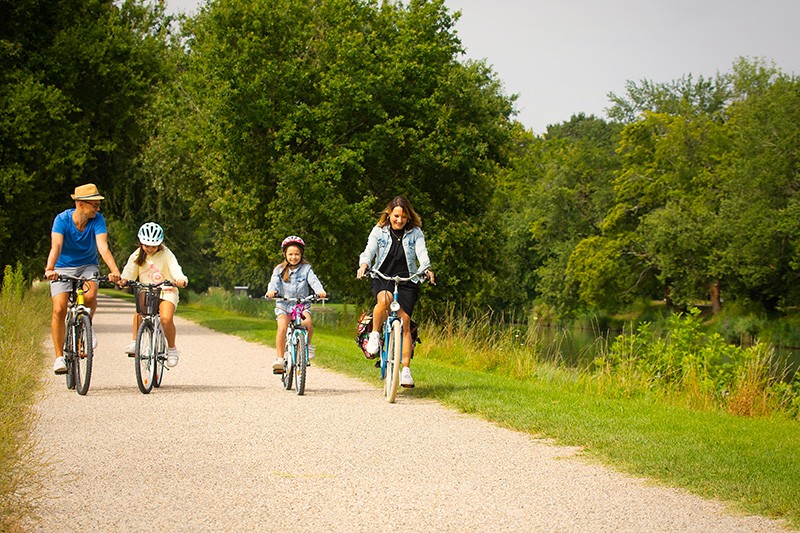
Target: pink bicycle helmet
x,y
293,239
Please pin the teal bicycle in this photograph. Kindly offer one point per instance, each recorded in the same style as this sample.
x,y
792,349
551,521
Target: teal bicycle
x,y
295,366
392,337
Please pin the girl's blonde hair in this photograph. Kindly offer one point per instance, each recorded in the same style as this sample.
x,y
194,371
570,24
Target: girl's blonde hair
x,y
414,221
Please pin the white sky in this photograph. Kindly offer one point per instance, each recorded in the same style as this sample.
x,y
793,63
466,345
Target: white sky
x,y
563,57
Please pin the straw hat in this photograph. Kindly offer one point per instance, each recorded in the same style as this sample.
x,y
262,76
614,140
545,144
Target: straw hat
x,y
87,192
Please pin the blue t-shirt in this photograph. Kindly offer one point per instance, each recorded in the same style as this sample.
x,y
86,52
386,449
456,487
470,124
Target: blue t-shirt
x,y
80,247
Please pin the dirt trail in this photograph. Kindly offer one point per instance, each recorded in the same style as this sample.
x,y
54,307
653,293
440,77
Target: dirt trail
x,y
222,447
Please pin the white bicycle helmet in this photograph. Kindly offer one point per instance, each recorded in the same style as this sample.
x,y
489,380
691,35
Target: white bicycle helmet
x,y
293,239
151,234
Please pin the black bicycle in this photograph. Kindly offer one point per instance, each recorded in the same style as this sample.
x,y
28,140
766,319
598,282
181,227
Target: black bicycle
x,y
78,347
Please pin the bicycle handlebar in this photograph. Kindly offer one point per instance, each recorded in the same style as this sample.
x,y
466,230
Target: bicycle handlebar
x,y
134,283
306,299
80,279
421,275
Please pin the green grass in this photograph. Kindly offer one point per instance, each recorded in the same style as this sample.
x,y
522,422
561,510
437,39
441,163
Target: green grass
x,y
751,463
24,320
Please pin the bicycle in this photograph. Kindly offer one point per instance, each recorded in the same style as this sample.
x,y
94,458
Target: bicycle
x,y
78,348
150,354
296,364
392,338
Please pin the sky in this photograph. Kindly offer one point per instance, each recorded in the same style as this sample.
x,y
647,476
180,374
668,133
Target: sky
x,y
563,57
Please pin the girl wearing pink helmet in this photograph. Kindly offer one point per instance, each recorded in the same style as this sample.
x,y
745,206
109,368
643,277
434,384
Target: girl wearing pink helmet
x,y
292,278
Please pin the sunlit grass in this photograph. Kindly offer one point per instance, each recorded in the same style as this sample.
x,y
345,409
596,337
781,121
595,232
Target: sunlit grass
x,y
24,320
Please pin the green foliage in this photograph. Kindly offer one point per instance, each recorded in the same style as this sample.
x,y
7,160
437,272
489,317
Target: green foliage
x,y
306,118
697,368
13,284
75,78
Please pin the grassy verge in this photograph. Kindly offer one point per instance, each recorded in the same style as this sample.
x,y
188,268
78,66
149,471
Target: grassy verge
x,y
750,462
24,319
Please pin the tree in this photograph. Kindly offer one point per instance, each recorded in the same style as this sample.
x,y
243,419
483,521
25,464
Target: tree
x,y
75,75
310,116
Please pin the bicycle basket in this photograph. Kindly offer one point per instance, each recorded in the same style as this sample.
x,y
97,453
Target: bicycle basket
x,y
147,301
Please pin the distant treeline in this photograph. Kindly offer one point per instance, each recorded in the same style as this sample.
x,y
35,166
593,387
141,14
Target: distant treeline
x,y
254,120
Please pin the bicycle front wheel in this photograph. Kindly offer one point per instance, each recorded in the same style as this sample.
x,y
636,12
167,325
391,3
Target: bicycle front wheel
x,y
145,357
288,364
394,360
161,357
300,364
82,366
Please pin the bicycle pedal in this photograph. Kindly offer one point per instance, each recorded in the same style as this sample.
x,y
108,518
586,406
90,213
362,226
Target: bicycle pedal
x,y
277,372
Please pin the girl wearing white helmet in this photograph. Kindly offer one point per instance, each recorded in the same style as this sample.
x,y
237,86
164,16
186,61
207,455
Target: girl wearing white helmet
x,y
292,278
152,262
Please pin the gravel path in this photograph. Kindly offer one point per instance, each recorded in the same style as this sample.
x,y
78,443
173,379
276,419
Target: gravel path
x,y
222,447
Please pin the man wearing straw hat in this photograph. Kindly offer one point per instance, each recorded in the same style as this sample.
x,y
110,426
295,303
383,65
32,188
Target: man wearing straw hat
x,y
78,235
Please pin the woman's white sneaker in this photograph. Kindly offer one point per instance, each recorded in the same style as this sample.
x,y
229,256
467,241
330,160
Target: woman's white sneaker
x,y
405,378
374,342
131,349
277,366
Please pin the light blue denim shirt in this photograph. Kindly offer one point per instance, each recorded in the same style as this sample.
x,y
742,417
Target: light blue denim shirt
x,y
380,241
301,281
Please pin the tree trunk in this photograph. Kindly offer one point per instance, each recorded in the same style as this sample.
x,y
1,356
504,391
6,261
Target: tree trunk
x,y
716,302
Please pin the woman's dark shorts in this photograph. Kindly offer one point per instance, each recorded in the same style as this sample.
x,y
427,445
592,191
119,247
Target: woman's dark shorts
x,y
407,293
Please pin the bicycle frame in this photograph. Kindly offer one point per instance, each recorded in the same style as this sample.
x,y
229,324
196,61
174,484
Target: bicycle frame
x,y
295,329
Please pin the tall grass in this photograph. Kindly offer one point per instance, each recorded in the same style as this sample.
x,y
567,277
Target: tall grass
x,y
683,365
24,316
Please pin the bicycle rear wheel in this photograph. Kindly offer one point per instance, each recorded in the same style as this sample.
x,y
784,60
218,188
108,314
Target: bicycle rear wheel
x,y
145,358
82,363
161,358
395,359
300,367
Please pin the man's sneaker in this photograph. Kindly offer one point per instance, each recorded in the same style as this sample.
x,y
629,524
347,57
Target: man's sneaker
x,y
131,349
277,366
405,378
59,366
94,339
311,351
172,357
374,342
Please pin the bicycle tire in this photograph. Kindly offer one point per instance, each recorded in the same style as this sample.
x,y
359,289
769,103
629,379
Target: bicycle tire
x,y
82,361
67,355
145,358
300,364
288,366
161,361
395,358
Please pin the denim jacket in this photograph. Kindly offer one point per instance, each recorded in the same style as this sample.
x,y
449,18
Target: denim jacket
x,y
301,280
380,241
